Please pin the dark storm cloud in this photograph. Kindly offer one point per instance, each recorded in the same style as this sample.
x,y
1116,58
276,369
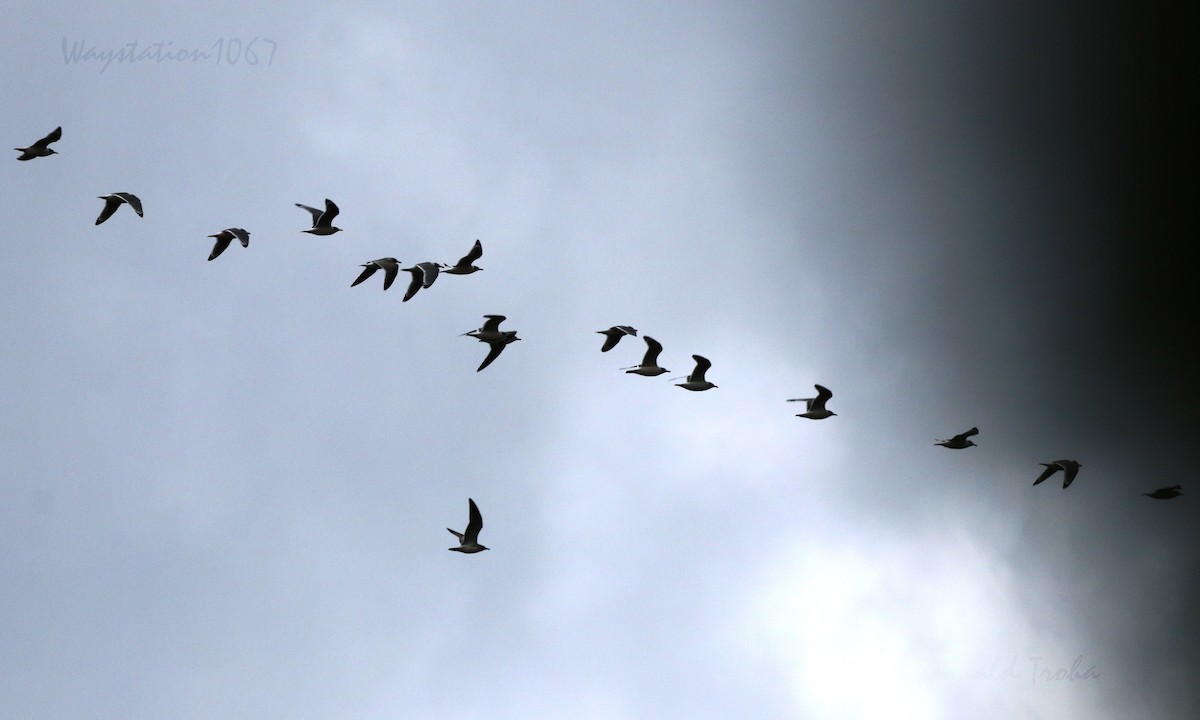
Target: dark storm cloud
x,y
1041,152
1071,225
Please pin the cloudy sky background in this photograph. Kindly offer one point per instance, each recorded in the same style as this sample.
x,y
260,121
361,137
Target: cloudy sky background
x,y
226,485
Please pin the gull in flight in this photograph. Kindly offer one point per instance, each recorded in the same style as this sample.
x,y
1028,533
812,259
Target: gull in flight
x,y
613,335
1069,467
225,237
389,265
423,275
491,334
960,441
696,380
41,148
322,219
466,264
816,406
114,201
468,540
649,366
490,330
1165,493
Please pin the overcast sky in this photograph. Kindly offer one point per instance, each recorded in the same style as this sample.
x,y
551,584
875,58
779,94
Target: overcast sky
x,y
226,485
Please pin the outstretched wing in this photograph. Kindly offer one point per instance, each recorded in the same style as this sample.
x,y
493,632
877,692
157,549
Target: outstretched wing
x,y
223,239
111,203
369,270
415,284
492,324
474,522
316,214
430,272
497,347
389,274
54,136
1070,471
1051,468
475,253
653,348
134,201
961,437
326,219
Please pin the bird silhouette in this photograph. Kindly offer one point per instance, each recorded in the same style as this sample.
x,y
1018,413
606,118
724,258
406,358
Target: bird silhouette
x,y
960,441
1070,468
468,540
815,409
613,335
41,148
114,201
322,220
225,237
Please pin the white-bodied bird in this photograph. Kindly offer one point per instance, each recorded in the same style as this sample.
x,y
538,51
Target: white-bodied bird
x,y
815,409
696,380
491,334
322,219
466,264
490,330
649,366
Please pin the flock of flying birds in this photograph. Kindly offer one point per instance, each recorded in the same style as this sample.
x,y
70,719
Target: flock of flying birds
x,y
425,273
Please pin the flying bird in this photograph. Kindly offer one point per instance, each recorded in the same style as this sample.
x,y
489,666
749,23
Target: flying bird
x,y
225,237
466,264
41,148
613,335
491,334
696,380
389,265
468,540
649,366
423,275
816,406
114,201
960,441
1069,467
1165,493
490,330
322,219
